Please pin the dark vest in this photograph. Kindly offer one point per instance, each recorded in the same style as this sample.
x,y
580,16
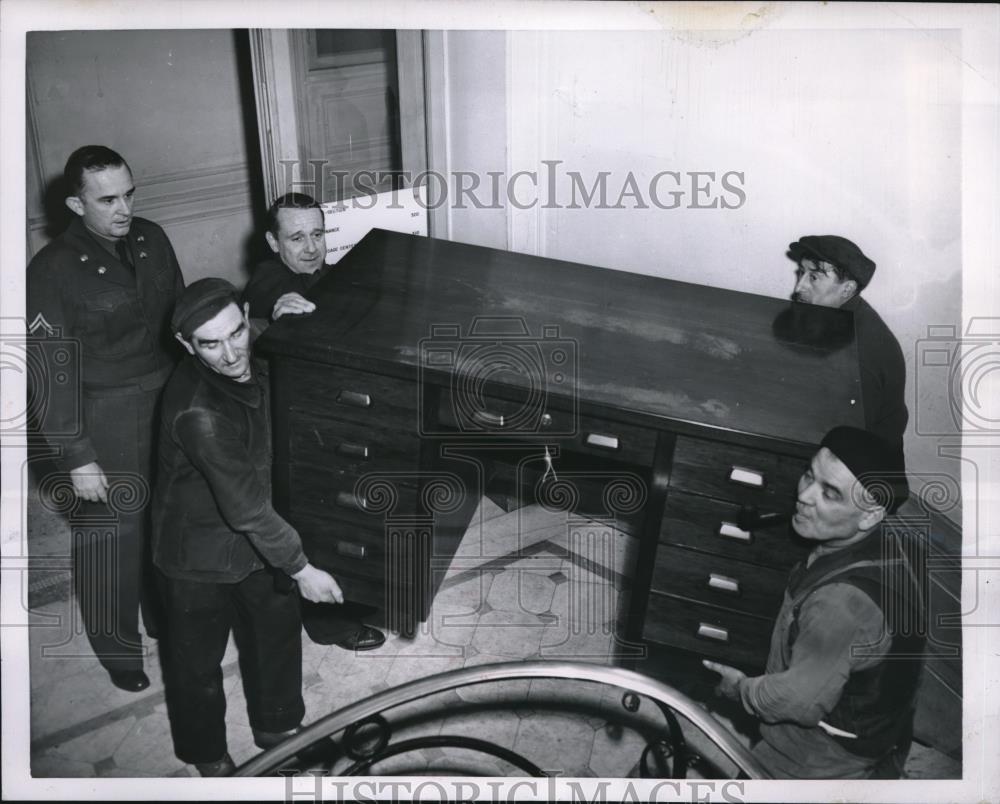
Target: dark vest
x,y
877,704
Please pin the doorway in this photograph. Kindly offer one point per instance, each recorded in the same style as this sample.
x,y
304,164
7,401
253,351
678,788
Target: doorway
x,y
340,111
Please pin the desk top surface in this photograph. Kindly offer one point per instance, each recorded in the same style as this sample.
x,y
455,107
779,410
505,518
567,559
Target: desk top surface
x,y
614,339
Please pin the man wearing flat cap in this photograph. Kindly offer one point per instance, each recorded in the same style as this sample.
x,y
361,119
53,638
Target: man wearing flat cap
x,y
836,700
218,543
832,271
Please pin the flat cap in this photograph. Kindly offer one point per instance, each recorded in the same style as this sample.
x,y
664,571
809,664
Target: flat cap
x,y
877,464
836,250
201,301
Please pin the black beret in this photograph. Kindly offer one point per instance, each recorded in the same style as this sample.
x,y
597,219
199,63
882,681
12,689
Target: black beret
x,y
877,464
201,301
836,250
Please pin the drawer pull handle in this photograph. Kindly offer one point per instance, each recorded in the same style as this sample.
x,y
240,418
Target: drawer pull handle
x,y
350,550
488,419
354,399
731,531
723,583
603,441
353,450
713,632
347,499
746,477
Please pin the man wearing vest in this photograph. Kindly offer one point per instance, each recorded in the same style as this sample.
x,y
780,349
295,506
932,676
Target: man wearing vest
x,y
836,700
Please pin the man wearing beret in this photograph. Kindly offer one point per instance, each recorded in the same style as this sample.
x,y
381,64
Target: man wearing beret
x,y
832,271
296,235
107,284
222,550
836,699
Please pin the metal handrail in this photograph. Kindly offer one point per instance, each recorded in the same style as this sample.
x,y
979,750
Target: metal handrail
x,y
578,671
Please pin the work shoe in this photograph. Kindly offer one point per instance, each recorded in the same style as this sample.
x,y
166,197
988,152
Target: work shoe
x,y
129,680
324,750
221,767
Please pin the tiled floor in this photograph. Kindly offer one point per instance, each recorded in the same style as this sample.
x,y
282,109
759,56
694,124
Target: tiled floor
x,y
555,595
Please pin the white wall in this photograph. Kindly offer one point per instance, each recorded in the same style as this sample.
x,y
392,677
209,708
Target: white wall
x,y
170,102
852,132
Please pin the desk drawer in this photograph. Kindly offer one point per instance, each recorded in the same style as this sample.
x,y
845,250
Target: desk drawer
x,y
331,495
736,473
349,395
344,547
711,526
323,442
535,424
730,637
718,580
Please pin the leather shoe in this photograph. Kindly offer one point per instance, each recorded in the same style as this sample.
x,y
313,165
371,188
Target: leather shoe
x,y
129,680
221,767
365,638
269,739
323,750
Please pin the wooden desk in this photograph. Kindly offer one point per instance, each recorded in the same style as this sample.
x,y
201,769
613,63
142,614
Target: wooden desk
x,y
670,406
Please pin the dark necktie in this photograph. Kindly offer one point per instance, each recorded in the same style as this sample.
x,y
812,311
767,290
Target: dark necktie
x,y
121,249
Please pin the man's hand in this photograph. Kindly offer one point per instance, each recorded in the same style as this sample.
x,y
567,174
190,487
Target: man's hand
x,y
318,586
293,304
89,482
729,685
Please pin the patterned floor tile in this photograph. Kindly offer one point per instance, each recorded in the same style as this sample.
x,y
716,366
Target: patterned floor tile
x,y
148,747
516,635
556,743
99,744
49,765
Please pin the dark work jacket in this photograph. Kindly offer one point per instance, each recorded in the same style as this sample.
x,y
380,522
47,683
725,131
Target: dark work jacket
x,y
272,279
212,515
114,321
877,703
883,372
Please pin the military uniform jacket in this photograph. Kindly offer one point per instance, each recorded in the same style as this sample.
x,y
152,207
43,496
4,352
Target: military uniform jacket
x,y
115,322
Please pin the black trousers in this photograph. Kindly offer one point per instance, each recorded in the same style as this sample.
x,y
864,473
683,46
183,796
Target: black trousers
x,y
268,630
112,570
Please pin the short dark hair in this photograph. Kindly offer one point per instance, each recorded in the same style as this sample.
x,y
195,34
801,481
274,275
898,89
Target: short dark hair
x,y
89,157
289,201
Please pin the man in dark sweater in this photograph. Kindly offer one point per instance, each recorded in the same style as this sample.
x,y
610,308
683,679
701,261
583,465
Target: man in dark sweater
x,y
297,236
832,271
223,552
836,700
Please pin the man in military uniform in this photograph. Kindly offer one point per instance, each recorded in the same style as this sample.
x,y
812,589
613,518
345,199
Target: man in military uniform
x,y
109,283
832,271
